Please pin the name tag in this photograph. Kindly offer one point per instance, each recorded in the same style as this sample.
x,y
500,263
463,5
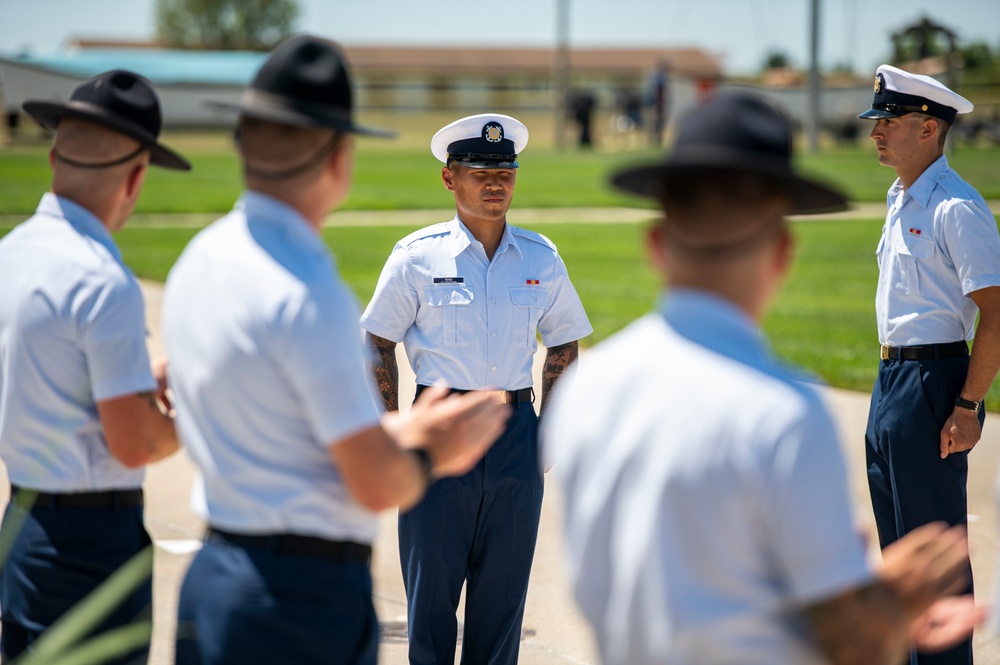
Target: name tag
x,y
449,280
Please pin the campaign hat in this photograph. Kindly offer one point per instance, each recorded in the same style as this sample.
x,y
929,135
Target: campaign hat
x,y
899,92
483,141
119,100
305,82
732,131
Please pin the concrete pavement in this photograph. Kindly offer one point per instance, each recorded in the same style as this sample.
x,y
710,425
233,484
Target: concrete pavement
x,y
554,632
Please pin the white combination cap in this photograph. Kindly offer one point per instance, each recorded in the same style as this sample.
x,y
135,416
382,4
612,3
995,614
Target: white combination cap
x,y
898,92
484,141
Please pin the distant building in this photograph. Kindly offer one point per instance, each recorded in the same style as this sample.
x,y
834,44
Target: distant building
x,y
387,78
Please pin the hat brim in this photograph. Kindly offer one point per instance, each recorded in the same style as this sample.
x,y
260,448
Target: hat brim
x,y
878,114
50,114
289,116
653,180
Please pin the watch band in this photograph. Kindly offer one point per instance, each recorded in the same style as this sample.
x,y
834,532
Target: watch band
x,y
426,464
968,404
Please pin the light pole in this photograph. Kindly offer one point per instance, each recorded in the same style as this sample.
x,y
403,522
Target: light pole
x,y
560,74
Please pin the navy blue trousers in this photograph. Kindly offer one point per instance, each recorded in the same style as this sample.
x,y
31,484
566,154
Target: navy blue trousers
x,y
241,605
478,530
910,484
58,558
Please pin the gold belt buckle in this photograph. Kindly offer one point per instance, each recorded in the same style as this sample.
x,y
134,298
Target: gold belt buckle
x,y
884,352
501,395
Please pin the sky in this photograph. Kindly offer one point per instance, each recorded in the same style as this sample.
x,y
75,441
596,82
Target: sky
x,y
741,32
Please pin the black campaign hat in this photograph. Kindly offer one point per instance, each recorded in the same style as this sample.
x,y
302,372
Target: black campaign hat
x,y
119,100
304,83
736,132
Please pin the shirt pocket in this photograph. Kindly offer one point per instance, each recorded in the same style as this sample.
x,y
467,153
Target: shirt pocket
x,y
450,313
913,257
529,303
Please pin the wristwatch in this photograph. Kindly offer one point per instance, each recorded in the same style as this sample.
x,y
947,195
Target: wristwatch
x,y
968,404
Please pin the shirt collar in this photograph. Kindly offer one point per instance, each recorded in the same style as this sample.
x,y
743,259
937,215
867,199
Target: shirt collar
x,y
463,238
716,324
921,190
264,209
80,219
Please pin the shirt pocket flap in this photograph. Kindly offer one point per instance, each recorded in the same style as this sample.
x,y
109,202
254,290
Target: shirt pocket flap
x,y
915,246
441,295
529,296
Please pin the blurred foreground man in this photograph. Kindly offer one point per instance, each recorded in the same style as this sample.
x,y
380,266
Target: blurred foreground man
x,y
79,411
275,403
707,513
939,266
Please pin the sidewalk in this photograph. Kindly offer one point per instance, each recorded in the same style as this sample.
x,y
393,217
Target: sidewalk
x,y
554,633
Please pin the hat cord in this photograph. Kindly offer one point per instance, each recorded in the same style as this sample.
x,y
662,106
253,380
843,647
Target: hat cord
x,y
295,169
98,165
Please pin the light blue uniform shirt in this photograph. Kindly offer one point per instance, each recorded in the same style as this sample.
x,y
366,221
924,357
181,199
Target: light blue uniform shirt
x,y
706,492
469,321
939,244
267,368
72,333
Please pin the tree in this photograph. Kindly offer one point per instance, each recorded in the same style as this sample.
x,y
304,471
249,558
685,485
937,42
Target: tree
x,y
777,60
228,25
977,55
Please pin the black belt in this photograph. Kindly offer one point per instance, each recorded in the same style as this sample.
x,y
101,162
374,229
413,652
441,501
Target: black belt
x,y
515,398
924,352
113,499
289,543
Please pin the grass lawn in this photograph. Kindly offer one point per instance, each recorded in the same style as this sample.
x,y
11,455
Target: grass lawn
x,y
389,177
823,318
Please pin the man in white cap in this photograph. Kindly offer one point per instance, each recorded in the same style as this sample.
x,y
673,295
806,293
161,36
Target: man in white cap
x,y
466,298
275,403
939,266
708,519
79,414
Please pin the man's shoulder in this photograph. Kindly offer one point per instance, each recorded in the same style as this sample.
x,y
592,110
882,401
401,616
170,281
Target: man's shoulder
x,y
534,237
957,189
438,230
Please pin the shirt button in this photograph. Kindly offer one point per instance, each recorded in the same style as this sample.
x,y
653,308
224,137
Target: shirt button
x,y
493,301
494,368
494,333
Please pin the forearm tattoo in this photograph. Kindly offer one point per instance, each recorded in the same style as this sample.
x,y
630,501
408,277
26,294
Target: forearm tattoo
x,y
386,371
557,359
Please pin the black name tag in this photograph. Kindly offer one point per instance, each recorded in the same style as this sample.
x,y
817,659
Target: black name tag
x,y
449,280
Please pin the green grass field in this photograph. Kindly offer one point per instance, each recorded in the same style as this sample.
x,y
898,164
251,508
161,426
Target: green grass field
x,y
389,177
823,319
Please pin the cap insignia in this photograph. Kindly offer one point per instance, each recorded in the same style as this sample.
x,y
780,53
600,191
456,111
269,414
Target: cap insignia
x,y
493,132
878,84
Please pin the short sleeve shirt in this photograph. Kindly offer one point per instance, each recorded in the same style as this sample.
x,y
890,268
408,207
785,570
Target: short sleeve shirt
x,y
268,371
939,244
469,321
706,492
72,334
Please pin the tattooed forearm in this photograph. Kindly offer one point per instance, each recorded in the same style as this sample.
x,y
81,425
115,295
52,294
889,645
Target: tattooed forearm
x,y
557,359
385,370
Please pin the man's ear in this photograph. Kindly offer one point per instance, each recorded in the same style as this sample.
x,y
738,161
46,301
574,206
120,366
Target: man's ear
x,y
930,129
786,249
656,250
133,185
448,178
